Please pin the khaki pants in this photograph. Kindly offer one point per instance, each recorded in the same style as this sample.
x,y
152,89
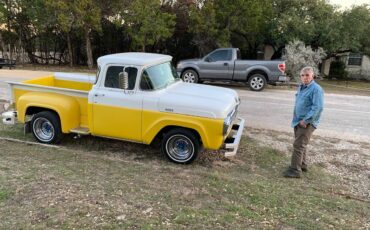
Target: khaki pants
x,y
302,137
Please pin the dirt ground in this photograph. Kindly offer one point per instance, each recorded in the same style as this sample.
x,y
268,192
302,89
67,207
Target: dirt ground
x,y
347,160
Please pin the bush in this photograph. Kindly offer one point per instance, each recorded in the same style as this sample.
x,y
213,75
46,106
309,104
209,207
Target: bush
x,y
338,70
297,55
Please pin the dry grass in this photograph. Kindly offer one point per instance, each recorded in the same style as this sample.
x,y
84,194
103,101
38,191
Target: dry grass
x,y
351,87
95,183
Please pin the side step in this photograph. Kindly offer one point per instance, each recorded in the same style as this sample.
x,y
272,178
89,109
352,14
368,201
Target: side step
x,y
80,131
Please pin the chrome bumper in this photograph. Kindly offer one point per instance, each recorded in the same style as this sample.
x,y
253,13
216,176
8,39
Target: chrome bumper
x,y
232,142
9,117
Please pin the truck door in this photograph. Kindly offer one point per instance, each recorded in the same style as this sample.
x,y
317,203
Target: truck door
x,y
117,112
217,65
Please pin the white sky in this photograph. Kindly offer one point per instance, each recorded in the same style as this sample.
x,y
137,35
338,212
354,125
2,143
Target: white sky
x,y
348,3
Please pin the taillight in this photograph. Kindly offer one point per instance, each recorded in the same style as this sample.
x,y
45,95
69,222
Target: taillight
x,y
281,67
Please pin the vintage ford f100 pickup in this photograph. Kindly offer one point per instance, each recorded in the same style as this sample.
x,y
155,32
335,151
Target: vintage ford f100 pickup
x,y
135,97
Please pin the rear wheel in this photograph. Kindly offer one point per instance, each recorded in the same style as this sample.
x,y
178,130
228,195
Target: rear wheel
x,y
257,82
180,146
46,127
190,76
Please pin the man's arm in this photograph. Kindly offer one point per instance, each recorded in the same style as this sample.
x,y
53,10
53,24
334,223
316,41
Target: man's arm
x,y
316,107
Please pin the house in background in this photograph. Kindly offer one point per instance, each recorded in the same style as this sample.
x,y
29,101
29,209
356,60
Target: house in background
x,y
357,65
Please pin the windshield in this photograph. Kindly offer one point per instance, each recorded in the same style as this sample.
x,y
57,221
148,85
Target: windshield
x,y
158,76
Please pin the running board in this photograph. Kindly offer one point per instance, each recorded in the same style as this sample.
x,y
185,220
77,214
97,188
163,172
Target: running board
x,y
80,131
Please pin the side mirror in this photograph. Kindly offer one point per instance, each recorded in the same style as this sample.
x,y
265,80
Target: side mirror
x,y
123,80
207,59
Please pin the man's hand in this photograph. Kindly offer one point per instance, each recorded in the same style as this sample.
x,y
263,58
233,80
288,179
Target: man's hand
x,y
303,124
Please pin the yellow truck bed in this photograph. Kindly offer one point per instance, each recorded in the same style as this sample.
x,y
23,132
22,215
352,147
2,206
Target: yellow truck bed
x,y
61,91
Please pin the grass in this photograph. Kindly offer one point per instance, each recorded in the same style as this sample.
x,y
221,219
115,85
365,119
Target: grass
x,y
352,87
98,183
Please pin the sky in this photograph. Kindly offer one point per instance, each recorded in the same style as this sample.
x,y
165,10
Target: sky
x,y
348,3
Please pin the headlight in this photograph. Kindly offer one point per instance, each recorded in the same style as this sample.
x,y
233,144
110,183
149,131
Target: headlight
x,y
179,65
227,123
229,120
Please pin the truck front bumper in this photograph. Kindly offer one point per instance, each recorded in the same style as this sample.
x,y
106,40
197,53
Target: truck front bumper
x,y
9,117
232,142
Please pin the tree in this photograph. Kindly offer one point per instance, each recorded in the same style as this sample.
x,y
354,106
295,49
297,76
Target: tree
x,y
239,23
8,11
314,22
204,26
297,55
246,22
147,24
84,15
356,29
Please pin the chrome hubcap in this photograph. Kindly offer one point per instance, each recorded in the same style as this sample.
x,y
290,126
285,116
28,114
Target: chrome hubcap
x,y
257,83
180,148
43,129
189,77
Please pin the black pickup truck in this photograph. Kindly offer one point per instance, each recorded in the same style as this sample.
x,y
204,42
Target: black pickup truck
x,y
7,63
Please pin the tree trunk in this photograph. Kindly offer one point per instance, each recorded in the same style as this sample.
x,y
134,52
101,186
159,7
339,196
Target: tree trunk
x,y
88,49
47,53
2,44
70,51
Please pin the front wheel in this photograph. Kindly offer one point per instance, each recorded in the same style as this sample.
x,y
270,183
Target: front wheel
x,y
180,146
257,82
190,76
46,127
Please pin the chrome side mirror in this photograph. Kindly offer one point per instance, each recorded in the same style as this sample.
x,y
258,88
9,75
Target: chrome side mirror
x,y
123,80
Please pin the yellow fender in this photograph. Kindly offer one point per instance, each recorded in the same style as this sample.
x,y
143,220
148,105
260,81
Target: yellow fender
x,y
65,106
209,130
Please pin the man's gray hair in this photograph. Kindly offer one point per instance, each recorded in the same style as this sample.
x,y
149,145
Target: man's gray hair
x,y
308,69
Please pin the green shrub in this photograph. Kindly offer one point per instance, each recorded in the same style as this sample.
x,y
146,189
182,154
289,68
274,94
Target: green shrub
x,y
338,70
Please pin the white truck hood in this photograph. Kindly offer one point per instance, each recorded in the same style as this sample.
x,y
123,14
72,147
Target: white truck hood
x,y
198,100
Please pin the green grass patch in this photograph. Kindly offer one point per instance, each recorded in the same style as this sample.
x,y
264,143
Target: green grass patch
x,y
4,194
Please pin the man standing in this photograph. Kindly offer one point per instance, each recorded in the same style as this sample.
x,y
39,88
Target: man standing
x,y
307,111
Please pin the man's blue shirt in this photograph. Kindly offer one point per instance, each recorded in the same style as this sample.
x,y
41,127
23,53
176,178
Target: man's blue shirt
x,y
309,104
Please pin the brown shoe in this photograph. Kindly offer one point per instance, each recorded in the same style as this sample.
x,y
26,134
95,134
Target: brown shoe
x,y
304,168
292,173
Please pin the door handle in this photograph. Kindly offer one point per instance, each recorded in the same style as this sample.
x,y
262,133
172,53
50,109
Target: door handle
x,y
99,94
226,64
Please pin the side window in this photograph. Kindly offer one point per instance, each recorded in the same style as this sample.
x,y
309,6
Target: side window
x,y
221,55
112,79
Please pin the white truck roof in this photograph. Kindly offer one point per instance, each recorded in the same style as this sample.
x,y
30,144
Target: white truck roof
x,y
134,58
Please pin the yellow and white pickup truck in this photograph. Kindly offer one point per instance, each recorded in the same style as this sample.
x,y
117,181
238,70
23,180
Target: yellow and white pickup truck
x,y
135,97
